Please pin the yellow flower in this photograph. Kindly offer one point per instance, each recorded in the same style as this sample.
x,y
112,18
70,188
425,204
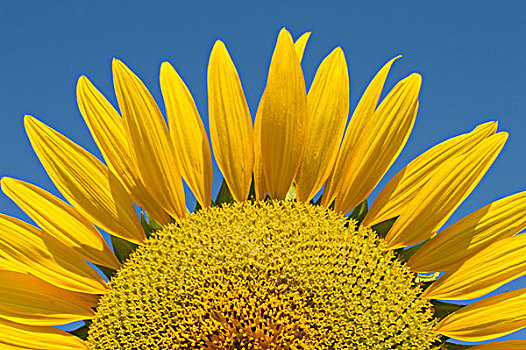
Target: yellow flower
x,y
263,266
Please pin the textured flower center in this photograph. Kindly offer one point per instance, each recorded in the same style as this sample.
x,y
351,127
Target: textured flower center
x,y
263,275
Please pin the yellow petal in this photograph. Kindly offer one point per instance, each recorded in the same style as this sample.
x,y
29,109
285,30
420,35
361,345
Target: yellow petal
x,y
188,135
61,221
379,144
362,123
259,177
328,108
502,345
468,236
405,185
230,123
443,193
260,187
284,119
7,265
28,300
41,255
149,140
487,319
85,182
477,275
300,44
108,131
18,336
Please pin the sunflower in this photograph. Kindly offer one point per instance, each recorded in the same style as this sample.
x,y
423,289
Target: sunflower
x,y
270,263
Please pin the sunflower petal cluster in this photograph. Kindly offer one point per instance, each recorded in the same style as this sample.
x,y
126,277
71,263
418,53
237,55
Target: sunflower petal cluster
x,y
297,139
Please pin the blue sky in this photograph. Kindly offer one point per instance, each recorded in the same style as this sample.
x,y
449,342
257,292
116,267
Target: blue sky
x,y
471,55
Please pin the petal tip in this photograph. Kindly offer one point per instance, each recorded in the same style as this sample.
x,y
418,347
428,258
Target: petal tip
x,y
29,120
502,137
82,80
118,65
338,51
4,184
284,33
166,69
219,45
416,77
6,180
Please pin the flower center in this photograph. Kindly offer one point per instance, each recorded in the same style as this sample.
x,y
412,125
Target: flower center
x,y
263,275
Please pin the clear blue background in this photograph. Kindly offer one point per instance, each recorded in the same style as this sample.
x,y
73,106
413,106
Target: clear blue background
x,y
471,54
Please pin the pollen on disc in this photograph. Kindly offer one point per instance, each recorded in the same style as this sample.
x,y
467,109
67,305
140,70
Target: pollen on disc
x,y
263,275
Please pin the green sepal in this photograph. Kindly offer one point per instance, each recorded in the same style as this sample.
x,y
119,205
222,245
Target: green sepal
x,y
318,202
122,248
224,195
151,225
252,191
81,332
443,309
383,228
106,271
425,285
291,194
360,211
406,254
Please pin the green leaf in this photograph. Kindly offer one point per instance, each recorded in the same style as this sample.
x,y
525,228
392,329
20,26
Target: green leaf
x,y
122,248
443,309
406,254
81,332
106,271
224,195
383,228
149,224
360,211
291,194
252,191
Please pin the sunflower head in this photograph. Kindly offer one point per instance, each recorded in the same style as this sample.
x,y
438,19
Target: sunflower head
x,y
262,266
263,275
